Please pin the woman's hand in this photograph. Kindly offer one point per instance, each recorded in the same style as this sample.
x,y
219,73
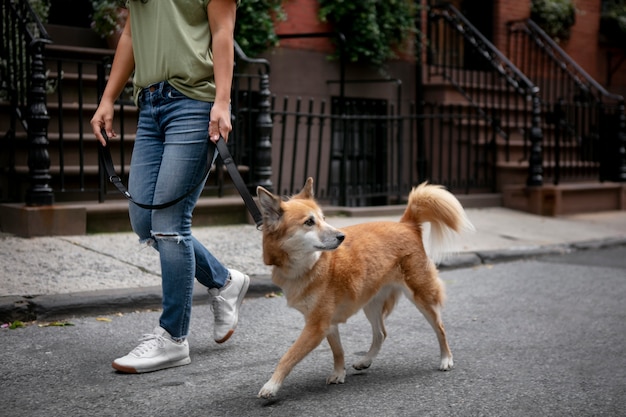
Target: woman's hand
x,y
220,124
103,119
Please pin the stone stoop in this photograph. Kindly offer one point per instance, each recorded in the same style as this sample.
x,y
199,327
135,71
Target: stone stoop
x,y
79,218
64,219
564,199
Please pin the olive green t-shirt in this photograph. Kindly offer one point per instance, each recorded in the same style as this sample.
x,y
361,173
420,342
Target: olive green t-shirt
x,y
171,42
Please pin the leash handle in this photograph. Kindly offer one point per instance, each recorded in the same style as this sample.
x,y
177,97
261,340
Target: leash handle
x,y
113,178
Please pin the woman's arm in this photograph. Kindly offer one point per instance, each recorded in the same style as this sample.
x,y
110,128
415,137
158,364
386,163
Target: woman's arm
x,y
121,70
222,15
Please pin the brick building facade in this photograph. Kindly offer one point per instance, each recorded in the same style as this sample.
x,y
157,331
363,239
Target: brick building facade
x,y
605,63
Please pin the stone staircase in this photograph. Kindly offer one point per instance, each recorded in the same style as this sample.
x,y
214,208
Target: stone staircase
x,y
573,194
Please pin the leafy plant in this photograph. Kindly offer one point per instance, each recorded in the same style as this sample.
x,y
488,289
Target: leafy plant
x,y
108,17
373,29
555,17
254,29
41,8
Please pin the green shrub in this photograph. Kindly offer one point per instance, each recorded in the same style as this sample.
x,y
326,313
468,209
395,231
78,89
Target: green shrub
x,y
254,29
373,29
107,19
555,17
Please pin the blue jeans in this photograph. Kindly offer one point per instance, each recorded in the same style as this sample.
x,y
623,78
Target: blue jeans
x,y
169,158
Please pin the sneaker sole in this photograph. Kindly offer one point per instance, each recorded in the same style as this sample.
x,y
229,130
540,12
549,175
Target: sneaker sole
x,y
129,370
242,294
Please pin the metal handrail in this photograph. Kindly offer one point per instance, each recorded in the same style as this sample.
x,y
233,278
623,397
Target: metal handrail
x,y
241,55
499,61
510,73
561,58
23,43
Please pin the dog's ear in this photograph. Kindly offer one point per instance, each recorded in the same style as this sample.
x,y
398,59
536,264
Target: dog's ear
x,y
270,207
307,191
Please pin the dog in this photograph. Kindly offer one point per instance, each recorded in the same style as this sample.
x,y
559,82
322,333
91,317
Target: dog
x,y
330,274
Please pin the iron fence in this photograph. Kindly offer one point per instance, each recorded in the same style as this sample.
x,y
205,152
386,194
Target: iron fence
x,y
486,82
584,124
369,154
360,151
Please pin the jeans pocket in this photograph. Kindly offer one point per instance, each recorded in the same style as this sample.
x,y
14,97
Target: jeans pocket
x,y
174,94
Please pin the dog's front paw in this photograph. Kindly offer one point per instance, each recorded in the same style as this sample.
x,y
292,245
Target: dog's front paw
x,y
269,390
337,377
446,363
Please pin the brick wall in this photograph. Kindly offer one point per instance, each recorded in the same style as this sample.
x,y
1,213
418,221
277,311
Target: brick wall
x,y
583,44
506,11
612,69
302,17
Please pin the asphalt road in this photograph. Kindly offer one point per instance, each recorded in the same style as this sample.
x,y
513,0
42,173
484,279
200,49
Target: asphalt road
x,y
536,337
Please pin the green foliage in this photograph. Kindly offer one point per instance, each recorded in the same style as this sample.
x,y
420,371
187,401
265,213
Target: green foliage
x,y
41,8
372,28
108,17
254,29
555,17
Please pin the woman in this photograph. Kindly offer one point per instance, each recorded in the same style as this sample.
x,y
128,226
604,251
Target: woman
x,y
181,54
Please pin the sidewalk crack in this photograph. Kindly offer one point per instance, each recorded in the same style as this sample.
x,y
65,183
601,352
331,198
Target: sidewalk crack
x,y
108,255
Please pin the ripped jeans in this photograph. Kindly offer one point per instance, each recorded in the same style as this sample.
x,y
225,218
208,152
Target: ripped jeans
x,y
169,158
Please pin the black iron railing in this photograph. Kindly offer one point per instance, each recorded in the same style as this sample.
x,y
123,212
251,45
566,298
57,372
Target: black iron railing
x,y
23,85
373,156
585,123
505,98
252,127
360,151
51,98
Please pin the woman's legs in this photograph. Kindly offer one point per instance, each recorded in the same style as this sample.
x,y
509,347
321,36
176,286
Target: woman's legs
x,y
170,158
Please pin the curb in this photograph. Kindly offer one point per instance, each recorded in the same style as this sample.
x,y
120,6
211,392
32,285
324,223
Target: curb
x,y
58,306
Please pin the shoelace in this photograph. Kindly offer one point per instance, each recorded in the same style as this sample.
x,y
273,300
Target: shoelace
x,y
148,342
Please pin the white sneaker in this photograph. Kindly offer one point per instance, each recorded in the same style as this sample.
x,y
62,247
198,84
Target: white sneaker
x,y
225,304
155,352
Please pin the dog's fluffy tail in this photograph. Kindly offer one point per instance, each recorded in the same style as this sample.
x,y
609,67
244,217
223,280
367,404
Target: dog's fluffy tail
x,y
437,206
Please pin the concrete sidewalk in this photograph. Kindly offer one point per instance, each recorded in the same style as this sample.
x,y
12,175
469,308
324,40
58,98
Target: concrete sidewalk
x,y
54,277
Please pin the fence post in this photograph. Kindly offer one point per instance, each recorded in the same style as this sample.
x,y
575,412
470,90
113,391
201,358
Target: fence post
x,y
535,161
39,193
419,100
262,173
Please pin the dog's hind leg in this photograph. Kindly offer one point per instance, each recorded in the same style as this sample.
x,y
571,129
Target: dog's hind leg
x,y
376,310
374,313
427,293
339,372
433,316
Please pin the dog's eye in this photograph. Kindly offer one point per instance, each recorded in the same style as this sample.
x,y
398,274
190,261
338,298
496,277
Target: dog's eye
x,y
310,222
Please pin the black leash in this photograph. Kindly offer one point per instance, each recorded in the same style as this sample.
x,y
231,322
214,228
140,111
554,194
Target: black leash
x,y
107,161
238,181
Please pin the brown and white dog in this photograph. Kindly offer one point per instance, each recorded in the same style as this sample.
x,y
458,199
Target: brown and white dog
x,y
329,274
